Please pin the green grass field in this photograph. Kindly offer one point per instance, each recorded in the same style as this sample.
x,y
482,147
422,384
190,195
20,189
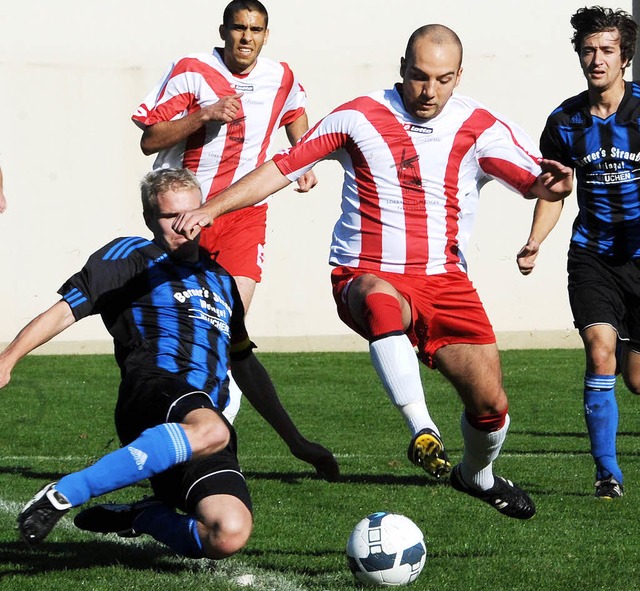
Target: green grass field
x,y
57,417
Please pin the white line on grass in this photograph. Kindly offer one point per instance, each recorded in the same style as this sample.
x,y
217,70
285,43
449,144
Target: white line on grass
x,y
503,454
233,569
13,508
46,458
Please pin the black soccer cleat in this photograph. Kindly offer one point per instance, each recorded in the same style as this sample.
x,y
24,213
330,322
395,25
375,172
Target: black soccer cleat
x,y
41,513
608,488
112,518
426,450
504,496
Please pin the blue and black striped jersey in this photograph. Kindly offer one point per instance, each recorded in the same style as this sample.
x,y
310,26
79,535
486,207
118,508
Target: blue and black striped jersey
x,y
178,316
605,154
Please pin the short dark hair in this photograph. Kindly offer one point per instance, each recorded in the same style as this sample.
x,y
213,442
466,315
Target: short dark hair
x,y
597,19
236,6
162,180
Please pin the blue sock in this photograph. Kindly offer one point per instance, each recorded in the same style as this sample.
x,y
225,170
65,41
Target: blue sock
x,y
156,450
601,416
177,531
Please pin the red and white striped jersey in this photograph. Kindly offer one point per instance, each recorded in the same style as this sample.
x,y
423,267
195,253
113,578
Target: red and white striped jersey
x,y
220,154
411,187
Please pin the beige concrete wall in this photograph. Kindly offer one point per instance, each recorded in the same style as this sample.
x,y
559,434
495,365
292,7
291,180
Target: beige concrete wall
x,y
71,73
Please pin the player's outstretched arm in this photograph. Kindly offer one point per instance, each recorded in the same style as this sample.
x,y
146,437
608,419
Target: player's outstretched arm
x,y
295,130
545,216
256,385
40,330
166,134
249,190
554,183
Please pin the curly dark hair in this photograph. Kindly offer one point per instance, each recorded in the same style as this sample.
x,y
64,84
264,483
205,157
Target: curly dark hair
x,y
597,19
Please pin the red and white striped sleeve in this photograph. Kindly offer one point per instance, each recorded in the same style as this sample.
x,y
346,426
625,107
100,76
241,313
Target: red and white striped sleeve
x,y
175,94
296,101
505,152
329,135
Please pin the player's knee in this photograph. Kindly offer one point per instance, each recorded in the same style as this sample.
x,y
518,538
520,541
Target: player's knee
x,y
602,360
228,535
488,422
490,402
208,436
382,315
633,384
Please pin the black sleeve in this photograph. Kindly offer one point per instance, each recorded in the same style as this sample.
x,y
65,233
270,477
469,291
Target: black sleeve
x,y
551,145
241,344
106,271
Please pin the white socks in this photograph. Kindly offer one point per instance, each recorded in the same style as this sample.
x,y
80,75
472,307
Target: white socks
x,y
480,450
397,367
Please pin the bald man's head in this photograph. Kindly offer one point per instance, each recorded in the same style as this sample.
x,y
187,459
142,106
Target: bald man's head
x,y
430,70
436,34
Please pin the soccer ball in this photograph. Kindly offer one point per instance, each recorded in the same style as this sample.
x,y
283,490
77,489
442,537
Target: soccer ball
x,y
386,549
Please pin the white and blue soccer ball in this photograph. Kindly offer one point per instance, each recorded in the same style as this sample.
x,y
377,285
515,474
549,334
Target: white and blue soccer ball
x,y
386,549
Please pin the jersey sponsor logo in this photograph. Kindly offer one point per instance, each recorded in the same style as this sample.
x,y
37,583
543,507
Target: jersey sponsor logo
x,y
236,130
216,314
593,157
203,294
216,322
243,87
183,296
408,174
215,311
418,129
611,178
625,154
614,152
247,101
410,204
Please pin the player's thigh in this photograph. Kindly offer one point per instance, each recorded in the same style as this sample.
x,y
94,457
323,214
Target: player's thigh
x,y
206,430
184,486
476,374
596,292
351,287
368,284
246,288
151,396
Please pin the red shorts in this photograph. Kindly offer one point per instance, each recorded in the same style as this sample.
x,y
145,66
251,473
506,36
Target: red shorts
x,y
445,308
236,241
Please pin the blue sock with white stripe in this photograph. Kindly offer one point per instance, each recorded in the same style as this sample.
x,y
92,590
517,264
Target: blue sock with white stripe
x,y
179,532
601,416
156,450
